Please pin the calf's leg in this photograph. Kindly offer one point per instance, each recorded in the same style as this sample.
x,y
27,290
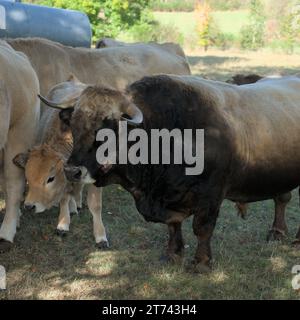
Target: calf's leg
x,y
279,228
94,201
77,190
73,206
64,216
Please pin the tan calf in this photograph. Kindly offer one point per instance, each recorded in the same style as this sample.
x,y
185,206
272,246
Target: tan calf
x,y
47,184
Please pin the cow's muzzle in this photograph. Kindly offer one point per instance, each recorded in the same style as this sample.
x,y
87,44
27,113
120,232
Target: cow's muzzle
x,y
73,174
29,206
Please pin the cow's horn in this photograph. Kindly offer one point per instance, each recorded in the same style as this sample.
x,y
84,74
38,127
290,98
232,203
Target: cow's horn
x,y
135,114
52,104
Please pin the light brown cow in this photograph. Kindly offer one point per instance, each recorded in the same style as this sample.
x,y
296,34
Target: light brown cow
x,y
168,46
44,171
19,115
116,66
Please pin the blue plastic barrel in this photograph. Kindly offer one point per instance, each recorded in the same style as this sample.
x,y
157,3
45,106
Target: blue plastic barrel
x,y
20,20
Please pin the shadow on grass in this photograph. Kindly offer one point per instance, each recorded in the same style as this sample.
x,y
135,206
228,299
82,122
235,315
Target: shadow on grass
x,y
212,60
42,266
211,67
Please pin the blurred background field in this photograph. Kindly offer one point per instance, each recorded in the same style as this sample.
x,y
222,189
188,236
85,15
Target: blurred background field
x,y
196,24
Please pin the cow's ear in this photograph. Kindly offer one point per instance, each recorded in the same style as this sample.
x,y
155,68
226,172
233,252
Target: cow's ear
x,y
65,115
20,160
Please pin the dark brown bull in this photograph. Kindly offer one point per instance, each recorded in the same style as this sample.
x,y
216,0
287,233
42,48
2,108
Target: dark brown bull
x,y
252,153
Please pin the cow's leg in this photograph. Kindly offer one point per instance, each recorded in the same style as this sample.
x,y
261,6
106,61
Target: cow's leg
x,y
175,245
73,206
279,227
14,182
296,242
78,187
94,201
64,216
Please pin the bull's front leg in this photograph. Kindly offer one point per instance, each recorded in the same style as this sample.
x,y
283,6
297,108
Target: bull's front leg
x,y
204,223
175,245
64,216
94,201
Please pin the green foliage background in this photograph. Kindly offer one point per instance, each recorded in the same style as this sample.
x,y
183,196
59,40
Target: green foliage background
x,y
108,17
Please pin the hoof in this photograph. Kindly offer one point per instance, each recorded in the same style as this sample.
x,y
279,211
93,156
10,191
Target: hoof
x,y
275,235
5,245
74,213
170,259
296,244
199,268
102,245
61,233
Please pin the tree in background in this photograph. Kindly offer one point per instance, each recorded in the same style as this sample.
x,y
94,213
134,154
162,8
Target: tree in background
x,y
107,17
290,28
120,15
228,4
252,35
204,23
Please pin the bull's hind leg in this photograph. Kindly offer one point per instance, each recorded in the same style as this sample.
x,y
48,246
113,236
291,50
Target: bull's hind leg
x,y
279,228
94,201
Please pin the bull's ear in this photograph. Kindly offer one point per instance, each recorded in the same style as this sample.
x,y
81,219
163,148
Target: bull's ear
x,y
20,160
65,115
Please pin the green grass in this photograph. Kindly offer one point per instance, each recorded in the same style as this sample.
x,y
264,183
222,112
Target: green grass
x,y
42,266
227,21
231,21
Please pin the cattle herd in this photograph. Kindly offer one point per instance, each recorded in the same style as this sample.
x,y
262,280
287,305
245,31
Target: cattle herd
x,y
54,99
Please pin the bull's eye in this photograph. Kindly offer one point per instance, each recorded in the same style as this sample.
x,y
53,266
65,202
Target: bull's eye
x,y
50,179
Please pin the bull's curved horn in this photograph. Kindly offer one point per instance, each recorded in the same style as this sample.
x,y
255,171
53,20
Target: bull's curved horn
x,y
52,104
135,114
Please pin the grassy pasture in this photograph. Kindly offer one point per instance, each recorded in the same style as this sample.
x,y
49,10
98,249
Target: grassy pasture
x,y
227,21
245,266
